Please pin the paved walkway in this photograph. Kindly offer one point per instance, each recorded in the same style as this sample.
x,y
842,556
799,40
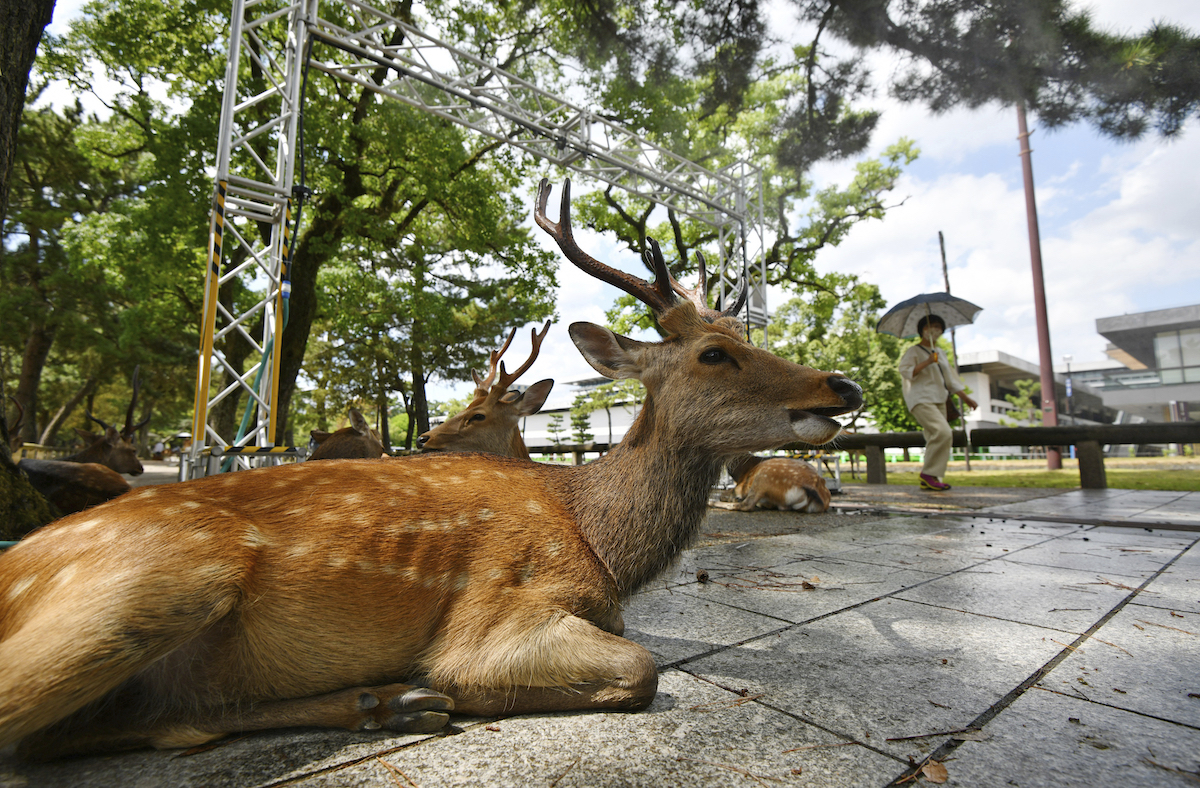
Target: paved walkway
x,y
851,649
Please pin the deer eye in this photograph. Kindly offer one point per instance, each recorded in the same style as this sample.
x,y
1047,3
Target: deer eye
x,y
477,417
714,355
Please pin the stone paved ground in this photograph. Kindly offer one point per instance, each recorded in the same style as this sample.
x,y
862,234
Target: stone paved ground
x,y
847,649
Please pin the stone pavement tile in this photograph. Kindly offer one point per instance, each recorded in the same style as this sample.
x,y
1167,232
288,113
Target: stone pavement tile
x,y
950,550
1177,588
693,734
675,625
1144,660
1128,555
1044,740
887,669
1142,536
1064,599
782,592
767,553
237,762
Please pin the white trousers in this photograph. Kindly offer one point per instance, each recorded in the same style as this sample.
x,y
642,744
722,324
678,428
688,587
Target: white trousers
x,y
932,418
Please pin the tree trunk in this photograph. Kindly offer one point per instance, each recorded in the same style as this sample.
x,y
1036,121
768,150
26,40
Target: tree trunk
x,y
22,22
64,413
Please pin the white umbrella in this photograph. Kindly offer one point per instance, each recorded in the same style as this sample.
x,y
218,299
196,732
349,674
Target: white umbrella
x,y
901,320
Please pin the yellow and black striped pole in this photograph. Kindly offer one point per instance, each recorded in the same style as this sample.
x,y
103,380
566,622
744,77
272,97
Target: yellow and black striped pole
x,y
212,277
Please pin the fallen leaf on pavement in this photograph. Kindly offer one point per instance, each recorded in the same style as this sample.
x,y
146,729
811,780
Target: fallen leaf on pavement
x,y
935,772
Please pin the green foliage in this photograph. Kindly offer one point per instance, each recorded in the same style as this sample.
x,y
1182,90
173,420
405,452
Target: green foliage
x,y
555,428
838,334
581,418
1025,411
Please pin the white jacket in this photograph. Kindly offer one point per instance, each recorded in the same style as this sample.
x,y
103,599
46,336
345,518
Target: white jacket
x,y
932,384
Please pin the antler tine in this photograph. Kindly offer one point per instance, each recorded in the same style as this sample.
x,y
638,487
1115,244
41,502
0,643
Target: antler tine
x,y
561,233
482,385
739,302
93,418
536,341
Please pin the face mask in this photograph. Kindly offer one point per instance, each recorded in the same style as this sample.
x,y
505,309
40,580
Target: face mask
x,y
932,334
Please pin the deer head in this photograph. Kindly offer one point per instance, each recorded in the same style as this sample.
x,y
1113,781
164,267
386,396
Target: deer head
x,y
285,596
114,448
489,423
358,441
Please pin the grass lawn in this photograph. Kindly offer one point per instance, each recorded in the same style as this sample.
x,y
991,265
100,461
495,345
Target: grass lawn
x,y
1067,478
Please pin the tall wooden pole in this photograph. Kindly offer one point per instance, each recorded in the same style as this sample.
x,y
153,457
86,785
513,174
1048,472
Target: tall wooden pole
x,y
1049,400
954,346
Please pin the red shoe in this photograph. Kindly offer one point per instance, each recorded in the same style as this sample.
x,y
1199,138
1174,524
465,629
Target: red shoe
x,y
933,483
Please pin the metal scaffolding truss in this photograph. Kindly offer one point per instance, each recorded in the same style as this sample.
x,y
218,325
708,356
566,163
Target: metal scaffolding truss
x,y
256,156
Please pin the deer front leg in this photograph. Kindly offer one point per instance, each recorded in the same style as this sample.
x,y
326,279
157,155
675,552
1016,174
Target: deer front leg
x,y
564,664
403,708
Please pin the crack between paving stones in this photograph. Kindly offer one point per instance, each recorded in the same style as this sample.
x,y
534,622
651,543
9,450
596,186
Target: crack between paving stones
x,y
948,747
845,737
1118,708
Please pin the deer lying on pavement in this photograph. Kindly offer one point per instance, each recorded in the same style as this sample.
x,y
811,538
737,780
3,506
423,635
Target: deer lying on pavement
x,y
778,483
363,595
92,475
356,442
489,423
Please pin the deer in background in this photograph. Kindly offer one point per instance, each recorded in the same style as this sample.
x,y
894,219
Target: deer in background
x,y
778,483
356,442
93,475
364,595
489,423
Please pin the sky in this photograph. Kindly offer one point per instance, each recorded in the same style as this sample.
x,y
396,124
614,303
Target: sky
x,y
1119,224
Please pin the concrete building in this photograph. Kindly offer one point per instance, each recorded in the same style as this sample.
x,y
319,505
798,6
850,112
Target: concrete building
x,y
1157,376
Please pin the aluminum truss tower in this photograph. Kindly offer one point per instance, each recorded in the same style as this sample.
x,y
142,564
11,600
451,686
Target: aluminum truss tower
x,y
256,155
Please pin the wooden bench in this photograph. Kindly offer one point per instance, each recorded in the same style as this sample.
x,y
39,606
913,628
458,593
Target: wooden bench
x,y
1087,440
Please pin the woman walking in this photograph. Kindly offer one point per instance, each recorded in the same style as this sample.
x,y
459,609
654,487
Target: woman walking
x,y
928,382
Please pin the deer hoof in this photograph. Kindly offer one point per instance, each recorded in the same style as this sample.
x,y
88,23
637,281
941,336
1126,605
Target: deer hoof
x,y
411,709
417,722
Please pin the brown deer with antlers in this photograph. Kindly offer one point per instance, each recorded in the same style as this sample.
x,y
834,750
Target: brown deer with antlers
x,y
355,442
489,423
93,475
389,594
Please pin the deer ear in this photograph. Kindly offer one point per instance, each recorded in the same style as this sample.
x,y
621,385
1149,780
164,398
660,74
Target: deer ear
x,y
319,436
358,422
612,355
534,397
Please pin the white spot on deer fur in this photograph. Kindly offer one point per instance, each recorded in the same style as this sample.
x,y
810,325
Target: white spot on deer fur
x,y
299,550
554,548
87,525
252,537
388,569
66,574
454,479
462,581
190,505
20,587
533,507
485,514
336,561
365,565
410,574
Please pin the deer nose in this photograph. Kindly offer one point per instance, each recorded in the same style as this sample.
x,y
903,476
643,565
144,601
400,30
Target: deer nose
x,y
848,390
422,439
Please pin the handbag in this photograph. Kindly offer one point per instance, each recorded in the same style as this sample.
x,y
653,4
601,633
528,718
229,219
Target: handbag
x,y
952,412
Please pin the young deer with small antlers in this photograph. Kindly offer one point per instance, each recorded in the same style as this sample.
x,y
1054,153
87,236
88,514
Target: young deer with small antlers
x,y
364,595
489,423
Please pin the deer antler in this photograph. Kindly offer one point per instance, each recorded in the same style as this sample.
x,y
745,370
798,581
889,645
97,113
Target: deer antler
x,y
507,380
660,296
482,385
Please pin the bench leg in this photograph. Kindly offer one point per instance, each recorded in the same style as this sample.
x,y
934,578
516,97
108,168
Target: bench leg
x,y
876,465
1091,465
